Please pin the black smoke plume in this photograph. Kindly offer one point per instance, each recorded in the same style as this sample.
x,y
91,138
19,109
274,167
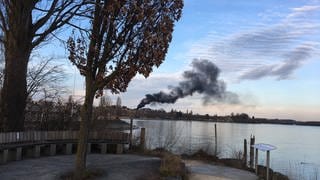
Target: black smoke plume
x,y
202,79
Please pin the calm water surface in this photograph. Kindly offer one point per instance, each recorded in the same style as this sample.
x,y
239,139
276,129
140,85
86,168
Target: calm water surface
x,y
297,153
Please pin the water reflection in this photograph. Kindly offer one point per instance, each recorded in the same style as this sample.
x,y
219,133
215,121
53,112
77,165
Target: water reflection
x,y
297,154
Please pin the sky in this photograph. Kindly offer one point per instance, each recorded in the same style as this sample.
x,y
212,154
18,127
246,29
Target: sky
x,y
267,52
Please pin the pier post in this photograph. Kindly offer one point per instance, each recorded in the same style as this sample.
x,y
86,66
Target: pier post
x,y
244,153
256,161
215,140
252,140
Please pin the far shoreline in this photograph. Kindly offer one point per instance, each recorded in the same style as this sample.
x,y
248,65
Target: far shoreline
x,y
249,121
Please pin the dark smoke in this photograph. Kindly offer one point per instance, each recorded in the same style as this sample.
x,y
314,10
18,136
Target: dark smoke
x,y
202,79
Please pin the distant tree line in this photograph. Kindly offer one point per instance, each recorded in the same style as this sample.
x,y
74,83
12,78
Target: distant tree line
x,y
56,114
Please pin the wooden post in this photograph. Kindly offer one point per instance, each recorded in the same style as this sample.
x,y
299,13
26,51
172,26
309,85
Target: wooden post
x,y
119,149
68,148
130,135
18,153
142,138
215,140
103,148
268,164
245,153
53,149
256,161
36,151
88,148
252,140
5,155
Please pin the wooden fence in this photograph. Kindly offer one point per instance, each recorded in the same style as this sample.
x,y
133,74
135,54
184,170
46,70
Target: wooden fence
x,y
47,136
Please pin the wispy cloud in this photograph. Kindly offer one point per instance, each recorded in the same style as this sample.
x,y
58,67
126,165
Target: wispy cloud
x,y
304,9
275,50
284,69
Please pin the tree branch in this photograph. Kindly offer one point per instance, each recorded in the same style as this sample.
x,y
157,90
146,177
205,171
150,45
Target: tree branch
x,y
62,17
46,17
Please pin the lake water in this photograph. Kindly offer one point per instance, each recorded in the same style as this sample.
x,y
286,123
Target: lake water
x,y
297,153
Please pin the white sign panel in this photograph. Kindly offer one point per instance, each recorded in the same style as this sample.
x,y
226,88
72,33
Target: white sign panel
x,y
264,147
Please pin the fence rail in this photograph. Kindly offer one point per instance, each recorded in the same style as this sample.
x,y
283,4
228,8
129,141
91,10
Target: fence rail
x,y
43,136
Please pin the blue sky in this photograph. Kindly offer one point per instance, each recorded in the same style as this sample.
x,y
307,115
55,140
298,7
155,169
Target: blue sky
x,y
268,53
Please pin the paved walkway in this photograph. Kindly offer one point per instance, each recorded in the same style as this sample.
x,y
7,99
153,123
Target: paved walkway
x,y
204,171
117,167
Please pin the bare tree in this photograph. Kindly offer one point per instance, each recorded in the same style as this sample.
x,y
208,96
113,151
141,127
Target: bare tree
x,y
127,37
24,25
44,80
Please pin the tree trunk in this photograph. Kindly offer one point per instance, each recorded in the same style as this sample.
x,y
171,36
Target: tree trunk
x,y
86,114
18,46
14,92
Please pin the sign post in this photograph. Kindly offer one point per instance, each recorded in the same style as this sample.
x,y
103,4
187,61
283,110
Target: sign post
x,y
266,148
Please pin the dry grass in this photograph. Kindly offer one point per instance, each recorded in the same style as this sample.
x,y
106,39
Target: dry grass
x,y
202,155
172,166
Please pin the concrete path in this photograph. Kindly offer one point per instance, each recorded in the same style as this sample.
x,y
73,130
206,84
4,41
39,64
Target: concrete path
x,y
117,167
204,171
